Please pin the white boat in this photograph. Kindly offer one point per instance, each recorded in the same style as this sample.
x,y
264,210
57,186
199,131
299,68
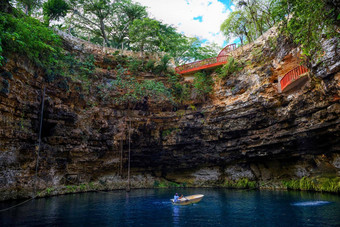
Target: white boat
x,y
186,200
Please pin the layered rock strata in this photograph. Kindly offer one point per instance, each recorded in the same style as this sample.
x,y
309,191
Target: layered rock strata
x,y
246,130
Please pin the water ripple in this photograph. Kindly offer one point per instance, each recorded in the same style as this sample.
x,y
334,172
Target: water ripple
x,y
152,207
310,203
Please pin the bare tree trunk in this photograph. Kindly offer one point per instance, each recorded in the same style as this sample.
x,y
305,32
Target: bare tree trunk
x,y
141,50
102,29
241,39
247,34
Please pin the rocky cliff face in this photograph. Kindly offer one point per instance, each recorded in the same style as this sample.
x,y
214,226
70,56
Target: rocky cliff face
x,y
246,130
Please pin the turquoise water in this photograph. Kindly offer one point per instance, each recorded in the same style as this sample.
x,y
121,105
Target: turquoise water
x,y
219,207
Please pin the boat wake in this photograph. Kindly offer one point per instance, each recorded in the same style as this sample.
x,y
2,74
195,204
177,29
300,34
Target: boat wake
x,y
310,203
161,203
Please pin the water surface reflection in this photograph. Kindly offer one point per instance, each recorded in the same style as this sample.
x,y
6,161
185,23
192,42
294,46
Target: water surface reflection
x,y
219,207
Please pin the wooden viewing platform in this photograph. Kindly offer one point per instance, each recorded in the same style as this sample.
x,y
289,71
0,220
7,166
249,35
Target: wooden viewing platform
x,y
208,63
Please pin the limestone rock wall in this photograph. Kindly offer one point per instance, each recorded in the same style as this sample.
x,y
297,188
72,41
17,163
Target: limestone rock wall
x,y
247,129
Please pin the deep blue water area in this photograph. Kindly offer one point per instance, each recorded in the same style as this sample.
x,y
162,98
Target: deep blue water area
x,y
152,207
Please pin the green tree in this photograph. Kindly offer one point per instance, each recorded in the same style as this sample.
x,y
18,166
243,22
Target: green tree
x,y
92,16
251,8
176,45
126,12
236,25
207,51
54,9
29,5
267,10
191,49
144,35
169,38
308,22
28,37
250,19
163,64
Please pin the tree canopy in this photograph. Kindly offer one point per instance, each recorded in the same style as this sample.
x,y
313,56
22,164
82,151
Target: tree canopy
x,y
54,9
125,13
126,24
237,25
144,34
29,5
92,16
307,22
121,24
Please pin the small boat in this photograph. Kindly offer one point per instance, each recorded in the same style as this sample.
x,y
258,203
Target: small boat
x,y
186,200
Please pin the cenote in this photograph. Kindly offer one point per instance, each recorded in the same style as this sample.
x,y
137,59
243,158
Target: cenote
x,y
152,207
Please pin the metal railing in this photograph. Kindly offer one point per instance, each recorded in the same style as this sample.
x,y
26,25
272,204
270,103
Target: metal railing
x,y
209,62
227,49
292,75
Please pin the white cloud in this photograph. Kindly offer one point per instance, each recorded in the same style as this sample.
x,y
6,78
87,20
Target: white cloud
x,y
181,13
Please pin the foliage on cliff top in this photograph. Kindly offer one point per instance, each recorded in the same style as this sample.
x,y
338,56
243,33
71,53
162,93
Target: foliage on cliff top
x,y
120,24
179,90
54,9
231,67
203,85
27,36
307,22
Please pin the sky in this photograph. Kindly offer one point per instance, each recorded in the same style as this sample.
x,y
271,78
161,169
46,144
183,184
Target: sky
x,y
193,18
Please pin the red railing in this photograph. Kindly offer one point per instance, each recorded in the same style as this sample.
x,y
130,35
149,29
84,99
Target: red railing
x,y
227,49
207,63
292,75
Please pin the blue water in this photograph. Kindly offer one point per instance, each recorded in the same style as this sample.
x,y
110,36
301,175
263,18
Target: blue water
x,y
219,207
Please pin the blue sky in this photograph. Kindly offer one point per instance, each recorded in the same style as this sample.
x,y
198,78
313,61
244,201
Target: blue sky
x,y
194,18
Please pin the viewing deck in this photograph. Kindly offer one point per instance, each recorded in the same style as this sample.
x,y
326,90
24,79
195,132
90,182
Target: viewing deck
x,y
293,78
208,63
290,80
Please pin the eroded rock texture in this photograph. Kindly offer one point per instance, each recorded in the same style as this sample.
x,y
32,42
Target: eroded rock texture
x,y
247,129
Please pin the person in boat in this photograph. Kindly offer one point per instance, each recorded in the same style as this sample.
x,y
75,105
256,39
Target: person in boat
x,y
176,198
